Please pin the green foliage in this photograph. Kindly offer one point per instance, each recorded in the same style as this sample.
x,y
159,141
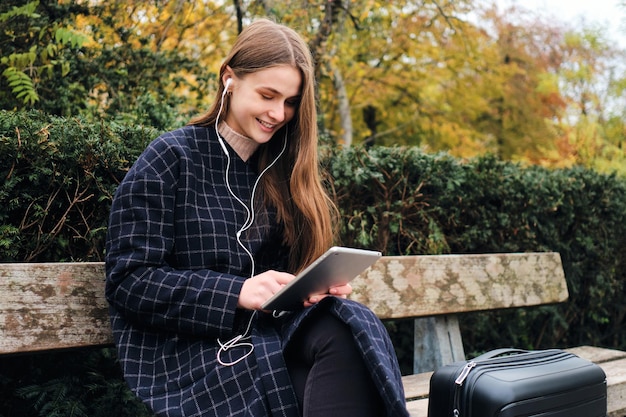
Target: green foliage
x,y
131,86
21,85
27,10
47,64
383,196
58,178
37,52
65,36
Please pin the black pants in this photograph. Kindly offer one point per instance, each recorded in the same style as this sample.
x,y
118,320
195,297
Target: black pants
x,y
328,371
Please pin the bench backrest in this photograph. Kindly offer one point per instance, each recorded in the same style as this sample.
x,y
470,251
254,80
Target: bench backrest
x,y
429,285
47,306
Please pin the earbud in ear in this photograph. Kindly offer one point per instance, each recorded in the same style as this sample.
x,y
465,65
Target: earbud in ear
x,y
228,83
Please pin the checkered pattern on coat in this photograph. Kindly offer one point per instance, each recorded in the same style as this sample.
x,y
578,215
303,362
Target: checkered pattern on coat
x,y
174,274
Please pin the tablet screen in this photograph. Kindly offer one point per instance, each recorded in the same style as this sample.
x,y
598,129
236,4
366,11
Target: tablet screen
x,y
337,266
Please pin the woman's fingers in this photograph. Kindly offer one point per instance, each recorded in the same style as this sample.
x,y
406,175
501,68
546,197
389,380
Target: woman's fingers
x,y
258,289
339,291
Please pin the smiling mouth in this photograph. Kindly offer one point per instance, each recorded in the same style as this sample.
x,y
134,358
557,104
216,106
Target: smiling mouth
x,y
266,125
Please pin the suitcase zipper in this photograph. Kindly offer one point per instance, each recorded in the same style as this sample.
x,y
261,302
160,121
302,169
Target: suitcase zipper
x,y
458,383
464,373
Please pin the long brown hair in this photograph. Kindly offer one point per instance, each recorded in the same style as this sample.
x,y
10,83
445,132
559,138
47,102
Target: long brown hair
x,y
293,186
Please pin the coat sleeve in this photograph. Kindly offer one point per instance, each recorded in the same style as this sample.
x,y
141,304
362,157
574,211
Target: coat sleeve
x,y
142,284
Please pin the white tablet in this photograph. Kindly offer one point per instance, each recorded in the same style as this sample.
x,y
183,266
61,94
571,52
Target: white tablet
x,y
337,266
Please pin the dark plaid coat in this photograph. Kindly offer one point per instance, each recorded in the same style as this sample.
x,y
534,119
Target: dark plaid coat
x,y
174,273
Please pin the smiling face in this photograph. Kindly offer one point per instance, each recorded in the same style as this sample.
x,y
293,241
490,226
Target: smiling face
x,y
263,101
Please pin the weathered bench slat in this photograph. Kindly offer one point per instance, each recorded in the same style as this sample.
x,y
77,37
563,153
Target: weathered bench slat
x,y
418,408
58,305
52,306
416,386
420,286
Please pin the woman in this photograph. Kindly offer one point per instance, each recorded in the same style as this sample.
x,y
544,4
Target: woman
x,y
209,223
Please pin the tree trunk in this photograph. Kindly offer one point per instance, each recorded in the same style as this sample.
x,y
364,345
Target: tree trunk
x,y
344,107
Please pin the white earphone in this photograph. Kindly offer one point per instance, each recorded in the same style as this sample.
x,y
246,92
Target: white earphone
x,y
242,340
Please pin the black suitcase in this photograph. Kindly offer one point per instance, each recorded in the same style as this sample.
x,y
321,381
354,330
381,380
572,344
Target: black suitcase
x,y
545,383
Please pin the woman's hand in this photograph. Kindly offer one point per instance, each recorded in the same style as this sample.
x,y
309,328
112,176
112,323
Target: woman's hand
x,y
258,289
339,291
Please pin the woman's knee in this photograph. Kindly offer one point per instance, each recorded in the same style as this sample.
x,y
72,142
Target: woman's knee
x,y
323,333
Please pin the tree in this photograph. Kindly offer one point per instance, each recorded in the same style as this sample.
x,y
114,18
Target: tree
x,y
36,51
590,79
385,56
422,73
72,58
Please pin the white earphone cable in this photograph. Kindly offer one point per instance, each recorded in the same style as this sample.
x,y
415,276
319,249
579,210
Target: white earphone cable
x,y
241,340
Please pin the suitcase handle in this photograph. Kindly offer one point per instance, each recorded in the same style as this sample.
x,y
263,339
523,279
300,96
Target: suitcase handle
x,y
499,352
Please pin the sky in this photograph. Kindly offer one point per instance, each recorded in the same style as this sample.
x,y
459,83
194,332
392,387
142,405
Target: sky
x,y
603,12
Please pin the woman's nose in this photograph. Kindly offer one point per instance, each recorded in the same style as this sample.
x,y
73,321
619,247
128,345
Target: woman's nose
x,y
277,111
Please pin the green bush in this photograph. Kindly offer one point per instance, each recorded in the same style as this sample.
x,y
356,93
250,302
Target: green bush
x,y
58,176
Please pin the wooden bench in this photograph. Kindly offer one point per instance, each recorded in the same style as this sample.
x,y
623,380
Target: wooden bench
x,y
49,306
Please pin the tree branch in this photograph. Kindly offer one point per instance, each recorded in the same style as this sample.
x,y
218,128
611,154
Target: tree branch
x,y
317,44
239,12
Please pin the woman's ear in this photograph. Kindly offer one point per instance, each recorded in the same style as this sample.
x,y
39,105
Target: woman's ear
x,y
227,77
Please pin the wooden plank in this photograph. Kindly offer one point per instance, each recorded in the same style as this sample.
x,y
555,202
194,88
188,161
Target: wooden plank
x,y
420,286
52,306
597,354
418,408
62,305
416,386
